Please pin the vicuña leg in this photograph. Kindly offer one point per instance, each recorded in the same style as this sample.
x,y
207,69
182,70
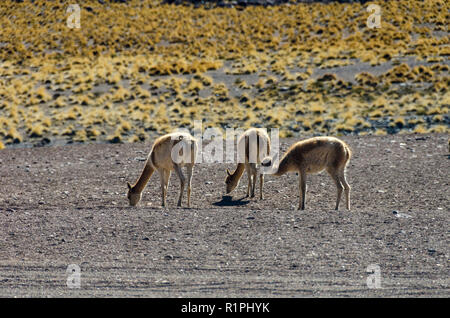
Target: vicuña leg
x,y
346,187
261,182
182,181
166,184
189,173
302,188
163,186
249,176
254,173
334,175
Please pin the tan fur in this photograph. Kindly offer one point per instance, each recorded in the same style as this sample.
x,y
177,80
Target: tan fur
x,y
160,159
232,179
312,156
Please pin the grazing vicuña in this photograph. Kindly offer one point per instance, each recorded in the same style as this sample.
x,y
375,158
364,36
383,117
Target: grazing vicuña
x,y
164,157
255,139
312,156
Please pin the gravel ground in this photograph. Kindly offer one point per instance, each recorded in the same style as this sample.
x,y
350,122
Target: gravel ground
x,y
65,205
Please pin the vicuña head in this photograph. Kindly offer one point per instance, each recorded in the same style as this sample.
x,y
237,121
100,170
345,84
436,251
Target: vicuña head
x,y
252,142
169,152
133,196
312,156
231,183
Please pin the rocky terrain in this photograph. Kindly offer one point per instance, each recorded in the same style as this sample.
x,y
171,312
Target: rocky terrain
x,y
66,205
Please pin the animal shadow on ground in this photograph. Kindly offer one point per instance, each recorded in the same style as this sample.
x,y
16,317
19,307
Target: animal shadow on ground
x,y
227,200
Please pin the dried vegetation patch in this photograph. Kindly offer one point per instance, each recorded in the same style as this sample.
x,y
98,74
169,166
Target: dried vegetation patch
x,y
145,67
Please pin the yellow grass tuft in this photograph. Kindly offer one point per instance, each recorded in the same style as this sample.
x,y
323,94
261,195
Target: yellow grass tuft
x,y
380,132
420,129
36,130
317,108
441,129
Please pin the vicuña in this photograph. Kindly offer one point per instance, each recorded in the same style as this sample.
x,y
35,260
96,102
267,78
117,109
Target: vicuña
x,y
251,142
312,156
169,152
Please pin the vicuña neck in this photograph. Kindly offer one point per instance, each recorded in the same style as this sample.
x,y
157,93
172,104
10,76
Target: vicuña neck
x,y
283,167
237,174
145,176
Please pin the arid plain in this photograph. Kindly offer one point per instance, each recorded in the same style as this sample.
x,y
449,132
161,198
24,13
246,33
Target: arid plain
x,y
80,108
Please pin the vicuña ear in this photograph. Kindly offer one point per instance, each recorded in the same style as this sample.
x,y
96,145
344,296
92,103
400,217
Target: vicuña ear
x,y
129,185
228,172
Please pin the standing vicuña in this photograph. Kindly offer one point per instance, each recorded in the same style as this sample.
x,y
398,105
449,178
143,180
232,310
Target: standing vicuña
x,y
164,159
312,156
254,139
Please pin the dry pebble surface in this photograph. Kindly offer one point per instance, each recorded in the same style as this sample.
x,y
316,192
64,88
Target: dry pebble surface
x,y
67,205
